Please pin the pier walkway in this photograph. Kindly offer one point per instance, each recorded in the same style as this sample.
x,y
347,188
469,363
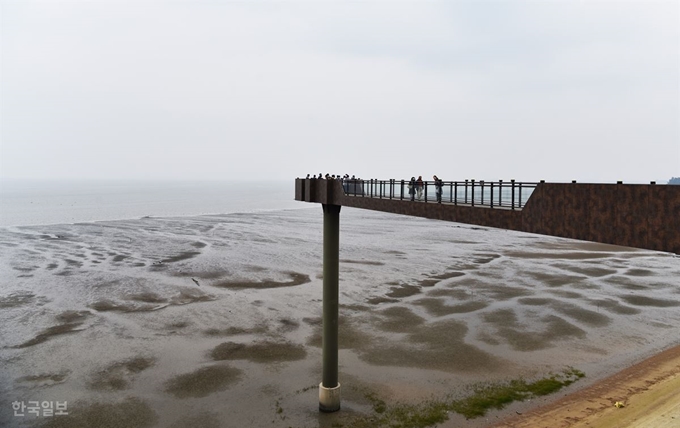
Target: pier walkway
x,y
634,215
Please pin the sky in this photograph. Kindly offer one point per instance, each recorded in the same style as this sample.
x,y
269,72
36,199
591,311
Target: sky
x,y
226,90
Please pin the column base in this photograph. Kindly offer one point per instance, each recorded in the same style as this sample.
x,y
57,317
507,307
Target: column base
x,y
329,398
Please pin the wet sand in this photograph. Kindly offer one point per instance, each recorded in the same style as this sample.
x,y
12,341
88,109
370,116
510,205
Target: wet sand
x,y
216,321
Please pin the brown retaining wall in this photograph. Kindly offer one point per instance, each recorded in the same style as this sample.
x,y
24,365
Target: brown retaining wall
x,y
634,215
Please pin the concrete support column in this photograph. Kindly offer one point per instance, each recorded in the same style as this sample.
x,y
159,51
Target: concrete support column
x,y
329,389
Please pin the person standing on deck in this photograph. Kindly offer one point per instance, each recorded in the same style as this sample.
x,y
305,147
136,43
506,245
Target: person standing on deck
x,y
419,187
438,185
412,188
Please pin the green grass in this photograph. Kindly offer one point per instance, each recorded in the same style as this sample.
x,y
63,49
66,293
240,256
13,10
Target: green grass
x,y
483,399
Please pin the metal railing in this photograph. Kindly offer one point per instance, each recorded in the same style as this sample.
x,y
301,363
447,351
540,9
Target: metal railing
x,y
492,194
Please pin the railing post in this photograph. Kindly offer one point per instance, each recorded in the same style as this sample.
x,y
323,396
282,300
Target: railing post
x,y
425,185
519,205
500,193
472,189
402,190
455,189
491,197
512,199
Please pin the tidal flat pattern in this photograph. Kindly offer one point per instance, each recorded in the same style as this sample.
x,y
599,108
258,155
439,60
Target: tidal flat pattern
x,y
118,375
208,319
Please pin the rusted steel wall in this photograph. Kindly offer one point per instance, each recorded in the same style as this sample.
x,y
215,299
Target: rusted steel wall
x,y
664,209
633,215
642,216
483,216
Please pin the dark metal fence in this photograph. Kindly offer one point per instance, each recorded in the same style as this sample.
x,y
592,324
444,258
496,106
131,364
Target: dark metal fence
x,y
492,194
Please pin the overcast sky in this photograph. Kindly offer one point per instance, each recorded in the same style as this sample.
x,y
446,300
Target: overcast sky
x,y
553,90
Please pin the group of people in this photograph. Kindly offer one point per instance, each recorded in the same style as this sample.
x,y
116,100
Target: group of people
x,y
351,184
332,177
415,188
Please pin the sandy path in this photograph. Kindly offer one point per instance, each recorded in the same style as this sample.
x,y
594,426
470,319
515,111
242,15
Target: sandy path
x,y
650,391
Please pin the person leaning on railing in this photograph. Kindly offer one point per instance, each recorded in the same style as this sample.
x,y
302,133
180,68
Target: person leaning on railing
x,y
419,187
438,186
412,188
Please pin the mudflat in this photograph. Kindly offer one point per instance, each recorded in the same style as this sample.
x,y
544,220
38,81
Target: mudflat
x,y
215,321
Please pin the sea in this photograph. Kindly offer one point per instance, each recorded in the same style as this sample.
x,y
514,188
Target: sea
x,y
174,304
39,202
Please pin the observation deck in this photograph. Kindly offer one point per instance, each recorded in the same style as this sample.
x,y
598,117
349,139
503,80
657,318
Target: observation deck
x,y
633,215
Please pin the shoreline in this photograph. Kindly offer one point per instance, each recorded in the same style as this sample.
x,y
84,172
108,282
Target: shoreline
x,y
647,389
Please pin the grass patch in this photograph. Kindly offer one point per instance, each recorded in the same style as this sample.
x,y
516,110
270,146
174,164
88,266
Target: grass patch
x,y
379,406
483,399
